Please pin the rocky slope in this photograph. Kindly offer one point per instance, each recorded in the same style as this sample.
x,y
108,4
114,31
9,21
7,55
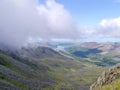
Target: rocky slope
x,y
109,80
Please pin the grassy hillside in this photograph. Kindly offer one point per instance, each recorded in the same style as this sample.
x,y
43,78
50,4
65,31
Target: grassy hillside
x,y
115,85
45,69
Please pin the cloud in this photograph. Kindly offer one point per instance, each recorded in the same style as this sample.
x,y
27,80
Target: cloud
x,y
59,21
110,22
24,19
108,28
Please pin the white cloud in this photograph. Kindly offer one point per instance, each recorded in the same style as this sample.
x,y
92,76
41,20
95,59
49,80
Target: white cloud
x,y
59,21
110,22
108,28
24,19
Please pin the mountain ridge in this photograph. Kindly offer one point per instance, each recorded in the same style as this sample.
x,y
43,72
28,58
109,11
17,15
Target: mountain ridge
x,y
41,69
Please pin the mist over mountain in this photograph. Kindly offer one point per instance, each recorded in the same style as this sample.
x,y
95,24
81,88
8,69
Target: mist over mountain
x,y
44,66
59,45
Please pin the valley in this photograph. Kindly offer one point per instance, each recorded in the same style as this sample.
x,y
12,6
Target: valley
x,y
45,68
59,45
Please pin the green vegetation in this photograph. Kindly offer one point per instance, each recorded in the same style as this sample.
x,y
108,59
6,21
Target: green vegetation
x,y
94,56
115,85
49,73
3,77
109,80
5,62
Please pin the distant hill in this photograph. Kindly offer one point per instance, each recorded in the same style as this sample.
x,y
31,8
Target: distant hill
x,y
101,54
110,46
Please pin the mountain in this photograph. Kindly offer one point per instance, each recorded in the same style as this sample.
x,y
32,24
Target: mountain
x,y
20,74
110,46
109,80
43,68
101,54
39,52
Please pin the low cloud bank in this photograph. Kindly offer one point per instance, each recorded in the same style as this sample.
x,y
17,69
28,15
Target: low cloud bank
x,y
23,20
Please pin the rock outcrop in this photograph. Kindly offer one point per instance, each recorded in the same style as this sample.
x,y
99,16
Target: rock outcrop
x,y
106,78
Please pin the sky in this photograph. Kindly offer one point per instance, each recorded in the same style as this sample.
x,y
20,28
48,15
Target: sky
x,y
90,12
23,21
